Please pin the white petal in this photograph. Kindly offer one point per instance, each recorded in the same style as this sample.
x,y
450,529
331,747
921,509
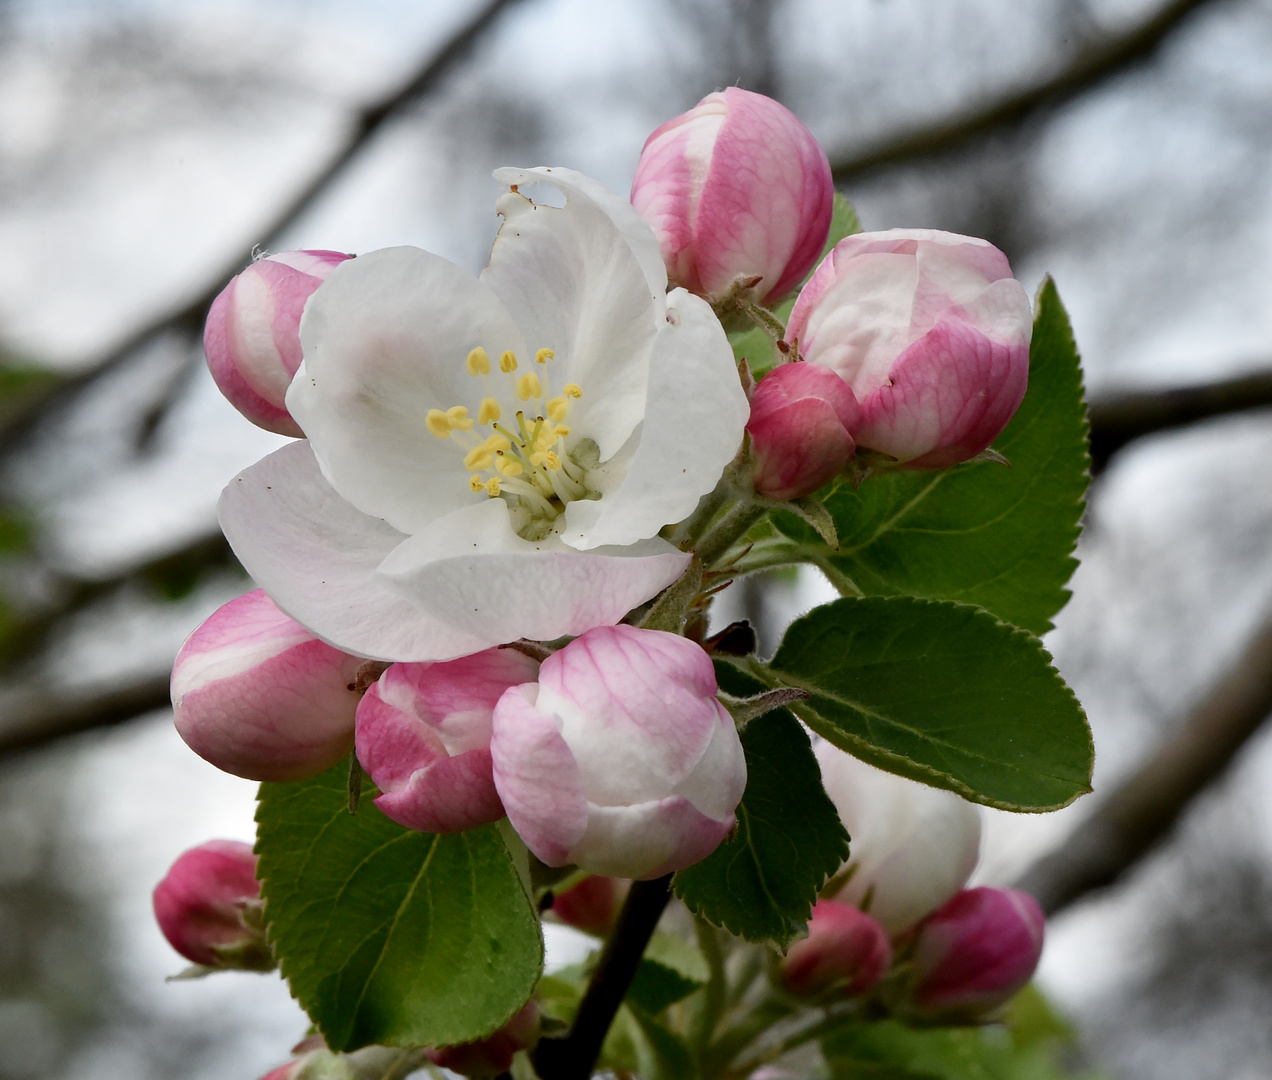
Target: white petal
x,y
693,426
385,339
496,587
575,285
317,556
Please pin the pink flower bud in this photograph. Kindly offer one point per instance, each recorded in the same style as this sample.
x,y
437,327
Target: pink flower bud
x,y
976,952
591,905
423,736
802,419
930,330
258,695
913,846
208,907
846,952
252,336
736,189
491,1056
620,759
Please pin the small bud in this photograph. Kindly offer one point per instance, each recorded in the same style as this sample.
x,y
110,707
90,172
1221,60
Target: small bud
x,y
620,759
739,194
259,696
252,336
802,419
423,736
208,907
491,1056
976,952
591,905
846,952
913,846
930,331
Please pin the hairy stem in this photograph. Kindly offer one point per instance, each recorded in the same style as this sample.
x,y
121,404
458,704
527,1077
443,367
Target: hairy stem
x,y
573,1056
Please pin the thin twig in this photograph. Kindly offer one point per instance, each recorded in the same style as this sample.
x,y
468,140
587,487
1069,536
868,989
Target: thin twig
x,y
1144,808
1093,66
187,319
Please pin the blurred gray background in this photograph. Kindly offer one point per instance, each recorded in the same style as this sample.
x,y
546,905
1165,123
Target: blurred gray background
x,y
1123,146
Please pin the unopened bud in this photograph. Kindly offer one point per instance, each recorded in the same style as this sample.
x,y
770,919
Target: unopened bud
x,y
802,419
591,905
259,696
492,1056
208,907
252,336
976,951
846,953
739,194
932,333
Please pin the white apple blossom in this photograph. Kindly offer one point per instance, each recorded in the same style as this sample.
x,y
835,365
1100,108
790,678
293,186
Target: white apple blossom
x,y
488,459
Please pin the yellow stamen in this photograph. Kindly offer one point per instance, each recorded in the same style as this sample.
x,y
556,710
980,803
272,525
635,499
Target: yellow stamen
x,y
478,363
497,443
508,361
562,431
479,457
488,411
552,460
492,486
508,467
557,408
438,423
573,390
475,483
528,386
543,356
458,417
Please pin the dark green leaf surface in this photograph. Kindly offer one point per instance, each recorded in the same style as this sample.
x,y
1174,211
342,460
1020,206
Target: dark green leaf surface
x,y
670,971
391,936
985,534
762,883
943,693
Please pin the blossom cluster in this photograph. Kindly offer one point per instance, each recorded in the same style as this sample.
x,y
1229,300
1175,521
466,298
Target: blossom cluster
x,y
494,477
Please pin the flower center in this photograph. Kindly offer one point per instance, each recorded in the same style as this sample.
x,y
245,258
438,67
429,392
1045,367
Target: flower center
x,y
515,447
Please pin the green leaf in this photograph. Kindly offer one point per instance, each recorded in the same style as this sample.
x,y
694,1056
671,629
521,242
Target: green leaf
x,y
985,534
754,346
670,970
391,936
943,693
762,883
662,1054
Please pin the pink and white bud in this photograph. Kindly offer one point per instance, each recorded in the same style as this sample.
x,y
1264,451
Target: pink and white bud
x,y
846,953
492,1056
259,696
736,189
591,905
976,951
423,736
319,1063
913,846
252,336
802,420
208,907
932,333
619,759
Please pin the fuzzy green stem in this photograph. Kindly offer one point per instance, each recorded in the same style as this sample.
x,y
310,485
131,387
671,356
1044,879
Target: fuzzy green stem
x,y
726,532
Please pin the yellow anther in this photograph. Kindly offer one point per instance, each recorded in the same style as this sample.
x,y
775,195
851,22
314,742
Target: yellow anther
x,y
478,458
458,417
552,460
478,363
438,423
497,444
537,457
573,390
562,431
528,386
508,467
492,486
543,356
489,411
557,408
475,483
508,362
